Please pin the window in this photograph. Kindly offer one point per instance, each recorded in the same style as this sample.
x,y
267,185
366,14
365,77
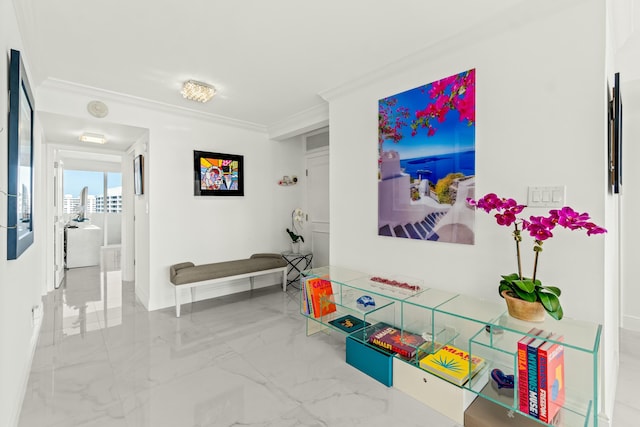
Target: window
x,y
97,200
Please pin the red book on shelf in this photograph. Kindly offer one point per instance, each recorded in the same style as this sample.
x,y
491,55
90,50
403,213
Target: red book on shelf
x,y
392,339
550,378
321,293
523,371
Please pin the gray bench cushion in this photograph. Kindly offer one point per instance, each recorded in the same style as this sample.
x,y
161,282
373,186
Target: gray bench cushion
x,y
187,272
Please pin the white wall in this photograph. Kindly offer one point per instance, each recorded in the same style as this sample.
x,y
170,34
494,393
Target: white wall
x,y
172,225
540,121
21,280
631,205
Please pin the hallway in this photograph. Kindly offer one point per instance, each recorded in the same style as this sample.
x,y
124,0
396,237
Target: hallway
x,y
102,360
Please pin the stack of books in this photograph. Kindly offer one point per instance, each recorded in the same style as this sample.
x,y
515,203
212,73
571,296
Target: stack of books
x,y
541,375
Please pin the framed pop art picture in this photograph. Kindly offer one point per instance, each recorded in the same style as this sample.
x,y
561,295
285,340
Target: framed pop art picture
x,y
426,161
218,174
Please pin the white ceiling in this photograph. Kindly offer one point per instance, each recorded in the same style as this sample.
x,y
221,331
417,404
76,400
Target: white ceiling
x,y
269,59
66,130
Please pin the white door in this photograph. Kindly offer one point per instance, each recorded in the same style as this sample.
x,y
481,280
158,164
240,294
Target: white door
x,y
318,204
58,223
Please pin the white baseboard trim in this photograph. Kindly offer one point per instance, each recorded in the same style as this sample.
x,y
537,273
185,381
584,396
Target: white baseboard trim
x,y
631,323
206,292
603,420
26,369
142,296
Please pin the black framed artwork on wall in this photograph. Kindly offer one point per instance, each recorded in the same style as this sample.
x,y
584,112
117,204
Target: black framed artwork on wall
x,y
138,175
615,137
218,174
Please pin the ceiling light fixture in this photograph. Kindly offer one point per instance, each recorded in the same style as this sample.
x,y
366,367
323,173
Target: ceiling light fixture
x,y
96,138
197,91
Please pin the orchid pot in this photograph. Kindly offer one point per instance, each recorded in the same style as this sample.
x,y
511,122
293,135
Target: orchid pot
x,y
524,290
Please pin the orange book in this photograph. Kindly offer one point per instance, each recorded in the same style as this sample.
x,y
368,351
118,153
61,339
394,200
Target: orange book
x,y
321,295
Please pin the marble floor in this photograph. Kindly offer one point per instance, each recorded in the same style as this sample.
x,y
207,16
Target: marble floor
x,y
102,360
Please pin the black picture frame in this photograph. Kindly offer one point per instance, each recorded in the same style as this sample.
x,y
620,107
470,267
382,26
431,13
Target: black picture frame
x,y
217,174
20,231
138,175
615,137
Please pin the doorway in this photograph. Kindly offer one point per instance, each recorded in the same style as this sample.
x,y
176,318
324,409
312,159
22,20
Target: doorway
x,y
92,211
317,160
88,185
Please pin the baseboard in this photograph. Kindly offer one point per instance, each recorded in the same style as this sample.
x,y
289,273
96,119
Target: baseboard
x,y
631,322
142,296
206,292
604,421
26,370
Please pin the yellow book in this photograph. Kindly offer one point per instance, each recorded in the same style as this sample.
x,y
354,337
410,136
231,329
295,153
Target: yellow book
x,y
452,364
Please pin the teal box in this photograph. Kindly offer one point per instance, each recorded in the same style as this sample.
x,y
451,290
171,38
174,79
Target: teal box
x,y
375,363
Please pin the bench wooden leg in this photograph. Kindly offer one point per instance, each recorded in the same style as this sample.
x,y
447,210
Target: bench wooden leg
x,y
177,302
193,294
284,280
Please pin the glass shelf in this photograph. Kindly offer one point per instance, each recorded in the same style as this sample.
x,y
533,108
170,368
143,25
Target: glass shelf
x,y
335,274
481,328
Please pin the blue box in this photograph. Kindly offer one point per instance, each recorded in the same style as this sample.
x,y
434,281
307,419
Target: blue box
x,y
375,363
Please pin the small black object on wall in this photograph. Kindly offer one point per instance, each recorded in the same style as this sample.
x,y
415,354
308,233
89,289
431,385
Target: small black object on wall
x,y
615,137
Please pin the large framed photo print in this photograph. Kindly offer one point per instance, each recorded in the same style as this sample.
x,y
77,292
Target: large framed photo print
x,y
426,161
20,160
218,174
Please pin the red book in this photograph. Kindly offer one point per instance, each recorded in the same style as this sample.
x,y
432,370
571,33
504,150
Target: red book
x,y
550,378
321,295
394,340
523,371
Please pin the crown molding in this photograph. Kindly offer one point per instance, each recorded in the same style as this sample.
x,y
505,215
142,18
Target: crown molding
x,y
93,92
400,66
494,26
305,121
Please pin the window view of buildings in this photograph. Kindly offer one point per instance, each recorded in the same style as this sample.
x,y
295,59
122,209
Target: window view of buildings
x,y
75,180
95,203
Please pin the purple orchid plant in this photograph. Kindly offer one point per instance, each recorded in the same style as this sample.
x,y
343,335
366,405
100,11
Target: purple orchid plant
x,y
541,229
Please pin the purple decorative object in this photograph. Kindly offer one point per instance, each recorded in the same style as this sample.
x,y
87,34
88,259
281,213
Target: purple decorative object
x,y
502,380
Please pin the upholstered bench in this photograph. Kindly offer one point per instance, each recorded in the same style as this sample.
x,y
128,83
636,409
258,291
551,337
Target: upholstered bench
x,y
187,275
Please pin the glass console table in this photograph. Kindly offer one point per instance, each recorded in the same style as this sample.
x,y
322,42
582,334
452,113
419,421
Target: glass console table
x,y
478,327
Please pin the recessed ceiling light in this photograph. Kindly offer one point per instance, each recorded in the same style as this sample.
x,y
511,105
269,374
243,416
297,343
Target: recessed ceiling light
x,y
197,91
98,109
96,138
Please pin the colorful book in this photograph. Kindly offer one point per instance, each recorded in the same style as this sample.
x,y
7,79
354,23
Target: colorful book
x,y
523,380
394,340
550,378
308,284
532,375
304,301
349,323
321,293
452,364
